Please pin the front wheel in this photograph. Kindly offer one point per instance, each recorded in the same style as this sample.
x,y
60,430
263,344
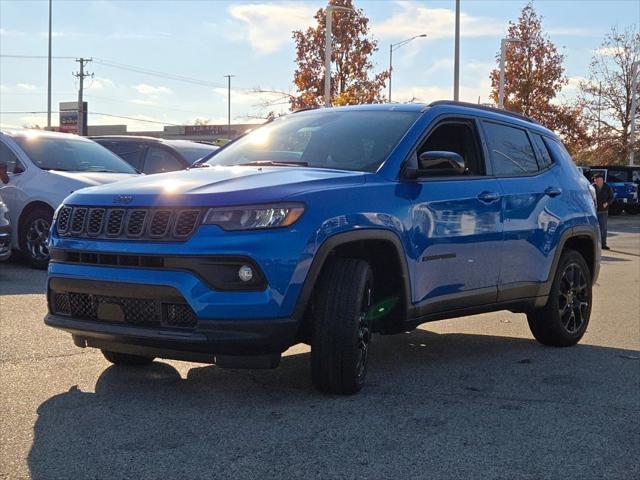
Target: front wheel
x,y
34,237
563,320
341,331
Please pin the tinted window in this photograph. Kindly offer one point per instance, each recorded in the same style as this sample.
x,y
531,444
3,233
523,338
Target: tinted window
x,y
69,153
459,138
557,151
130,152
614,175
192,151
10,159
510,149
346,140
544,156
159,160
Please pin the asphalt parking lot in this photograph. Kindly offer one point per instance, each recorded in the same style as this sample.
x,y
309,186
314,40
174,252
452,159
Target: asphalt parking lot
x,y
475,397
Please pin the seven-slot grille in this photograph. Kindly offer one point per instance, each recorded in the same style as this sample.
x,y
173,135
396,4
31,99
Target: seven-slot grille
x,y
128,223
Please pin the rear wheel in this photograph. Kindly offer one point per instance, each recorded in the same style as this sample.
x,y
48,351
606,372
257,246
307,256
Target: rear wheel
x,y
563,320
118,358
341,332
34,237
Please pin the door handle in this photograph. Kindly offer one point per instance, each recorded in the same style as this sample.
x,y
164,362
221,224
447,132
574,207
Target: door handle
x,y
552,191
488,197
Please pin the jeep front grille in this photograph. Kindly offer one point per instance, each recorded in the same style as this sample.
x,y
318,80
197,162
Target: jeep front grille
x,y
165,224
135,311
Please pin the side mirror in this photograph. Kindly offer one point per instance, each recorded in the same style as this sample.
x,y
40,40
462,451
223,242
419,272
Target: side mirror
x,y
435,163
4,177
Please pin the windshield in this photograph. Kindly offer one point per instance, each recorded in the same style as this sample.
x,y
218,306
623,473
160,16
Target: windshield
x,y
71,155
192,151
338,139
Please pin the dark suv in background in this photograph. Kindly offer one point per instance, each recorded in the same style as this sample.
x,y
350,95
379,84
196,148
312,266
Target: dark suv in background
x,y
155,155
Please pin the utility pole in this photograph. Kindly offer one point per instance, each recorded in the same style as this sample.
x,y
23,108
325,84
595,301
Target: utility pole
x,y
80,75
599,109
49,75
229,103
456,62
634,107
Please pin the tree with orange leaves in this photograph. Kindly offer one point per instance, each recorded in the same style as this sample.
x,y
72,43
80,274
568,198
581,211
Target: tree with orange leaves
x,y
534,75
350,59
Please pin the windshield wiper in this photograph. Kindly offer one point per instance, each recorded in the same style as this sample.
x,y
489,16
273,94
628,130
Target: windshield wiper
x,y
271,163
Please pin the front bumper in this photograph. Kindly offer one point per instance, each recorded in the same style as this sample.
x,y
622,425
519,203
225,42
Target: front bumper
x,y
142,324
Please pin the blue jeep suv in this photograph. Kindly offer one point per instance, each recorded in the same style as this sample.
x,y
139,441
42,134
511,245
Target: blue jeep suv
x,y
324,227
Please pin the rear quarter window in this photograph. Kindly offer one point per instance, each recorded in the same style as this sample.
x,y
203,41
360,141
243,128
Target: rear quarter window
x,y
510,150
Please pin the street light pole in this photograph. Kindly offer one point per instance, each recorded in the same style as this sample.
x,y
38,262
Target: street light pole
x,y
328,38
503,53
49,74
456,54
229,103
395,46
634,107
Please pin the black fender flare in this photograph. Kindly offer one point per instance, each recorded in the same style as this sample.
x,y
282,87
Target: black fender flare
x,y
334,241
573,232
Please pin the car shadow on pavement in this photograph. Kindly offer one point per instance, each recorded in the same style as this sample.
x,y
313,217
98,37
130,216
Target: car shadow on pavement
x,y
436,405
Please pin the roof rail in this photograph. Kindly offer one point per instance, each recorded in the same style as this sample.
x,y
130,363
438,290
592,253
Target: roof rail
x,y
485,108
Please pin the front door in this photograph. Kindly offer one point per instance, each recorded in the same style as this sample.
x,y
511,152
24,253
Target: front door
x,y
457,228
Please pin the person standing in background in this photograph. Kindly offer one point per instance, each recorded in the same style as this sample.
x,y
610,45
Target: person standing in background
x,y
604,197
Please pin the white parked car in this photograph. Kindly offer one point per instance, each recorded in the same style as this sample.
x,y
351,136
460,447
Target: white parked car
x,y
43,168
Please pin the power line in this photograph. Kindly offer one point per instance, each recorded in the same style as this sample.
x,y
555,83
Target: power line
x,y
95,113
136,69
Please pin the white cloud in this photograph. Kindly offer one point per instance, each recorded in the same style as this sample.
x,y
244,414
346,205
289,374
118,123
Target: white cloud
x,y
100,83
138,101
247,97
609,51
10,33
416,19
150,90
427,94
137,35
27,86
268,26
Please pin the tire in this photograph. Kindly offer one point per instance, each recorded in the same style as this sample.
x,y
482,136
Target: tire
x,y
127,359
34,237
563,320
341,331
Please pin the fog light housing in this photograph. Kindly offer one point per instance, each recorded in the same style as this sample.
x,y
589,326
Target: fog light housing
x,y
245,273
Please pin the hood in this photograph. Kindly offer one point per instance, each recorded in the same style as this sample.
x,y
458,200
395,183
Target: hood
x,y
218,185
90,179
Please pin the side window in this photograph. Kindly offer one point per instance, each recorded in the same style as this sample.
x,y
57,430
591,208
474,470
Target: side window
x,y
543,153
510,149
159,160
557,150
130,152
458,137
10,159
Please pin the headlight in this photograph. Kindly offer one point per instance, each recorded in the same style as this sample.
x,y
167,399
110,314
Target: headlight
x,y
254,216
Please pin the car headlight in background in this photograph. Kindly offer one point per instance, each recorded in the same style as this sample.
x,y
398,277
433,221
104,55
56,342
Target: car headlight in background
x,y
251,217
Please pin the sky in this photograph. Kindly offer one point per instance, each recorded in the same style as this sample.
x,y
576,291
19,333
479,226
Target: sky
x,y
162,62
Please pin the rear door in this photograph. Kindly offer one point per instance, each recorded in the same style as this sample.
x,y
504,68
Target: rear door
x,y
532,207
456,225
